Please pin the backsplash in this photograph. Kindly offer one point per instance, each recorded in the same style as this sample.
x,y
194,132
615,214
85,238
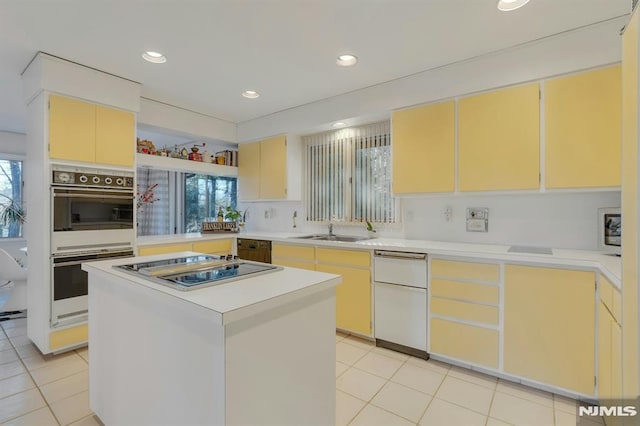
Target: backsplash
x,y
561,220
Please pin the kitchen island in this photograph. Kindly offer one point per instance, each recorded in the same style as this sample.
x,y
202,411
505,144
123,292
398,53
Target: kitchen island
x,y
259,350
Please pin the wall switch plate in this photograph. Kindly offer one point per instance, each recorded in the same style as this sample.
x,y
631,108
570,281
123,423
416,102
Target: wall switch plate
x,y
477,219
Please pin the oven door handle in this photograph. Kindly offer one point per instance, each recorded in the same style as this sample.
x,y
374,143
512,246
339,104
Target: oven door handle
x,y
72,263
116,197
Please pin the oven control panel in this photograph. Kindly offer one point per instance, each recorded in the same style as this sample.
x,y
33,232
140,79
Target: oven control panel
x,y
92,178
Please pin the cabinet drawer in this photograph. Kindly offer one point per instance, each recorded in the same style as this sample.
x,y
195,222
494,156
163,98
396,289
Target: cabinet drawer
x,y
217,246
344,257
464,342
293,251
68,337
466,291
466,270
464,311
300,264
168,248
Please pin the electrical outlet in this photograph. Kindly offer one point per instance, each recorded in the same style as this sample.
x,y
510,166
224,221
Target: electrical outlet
x,y
448,213
477,219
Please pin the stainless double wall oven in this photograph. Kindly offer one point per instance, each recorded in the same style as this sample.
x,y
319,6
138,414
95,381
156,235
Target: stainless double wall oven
x,y
92,218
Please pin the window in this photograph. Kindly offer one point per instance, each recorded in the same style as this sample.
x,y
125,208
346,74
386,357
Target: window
x,y
349,175
11,211
172,202
204,196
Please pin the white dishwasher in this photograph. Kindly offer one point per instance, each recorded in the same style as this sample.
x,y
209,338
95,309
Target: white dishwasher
x,y
400,296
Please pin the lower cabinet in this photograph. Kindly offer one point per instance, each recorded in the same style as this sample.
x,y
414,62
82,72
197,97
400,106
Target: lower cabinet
x,y
294,256
218,247
68,337
353,295
477,345
549,317
609,349
464,311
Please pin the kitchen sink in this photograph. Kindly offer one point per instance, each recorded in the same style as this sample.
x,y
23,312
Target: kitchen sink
x,y
327,237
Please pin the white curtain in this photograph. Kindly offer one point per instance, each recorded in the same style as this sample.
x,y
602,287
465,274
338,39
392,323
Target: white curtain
x,y
154,218
349,175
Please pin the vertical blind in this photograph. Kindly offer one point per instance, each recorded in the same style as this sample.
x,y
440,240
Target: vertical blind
x,y
349,175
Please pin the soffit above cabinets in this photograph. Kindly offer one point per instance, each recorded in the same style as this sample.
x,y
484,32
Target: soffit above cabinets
x,y
285,50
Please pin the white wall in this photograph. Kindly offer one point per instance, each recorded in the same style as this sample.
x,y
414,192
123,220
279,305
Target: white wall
x,y
154,114
561,220
14,144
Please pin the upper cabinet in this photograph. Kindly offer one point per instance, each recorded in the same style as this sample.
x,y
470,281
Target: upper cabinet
x,y
499,140
115,136
424,149
269,170
249,171
81,131
273,168
583,130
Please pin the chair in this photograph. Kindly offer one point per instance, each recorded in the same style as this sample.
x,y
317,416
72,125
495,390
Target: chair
x,y
11,271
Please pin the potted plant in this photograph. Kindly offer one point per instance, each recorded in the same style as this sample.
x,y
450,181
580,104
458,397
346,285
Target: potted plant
x,y
234,215
12,215
370,231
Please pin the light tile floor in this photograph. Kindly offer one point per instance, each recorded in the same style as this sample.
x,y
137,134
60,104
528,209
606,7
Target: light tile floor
x,y
374,386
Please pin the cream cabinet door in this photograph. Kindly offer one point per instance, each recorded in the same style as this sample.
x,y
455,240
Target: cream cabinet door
x,y
162,249
72,129
549,333
499,140
249,171
353,295
353,298
115,137
273,168
424,149
583,130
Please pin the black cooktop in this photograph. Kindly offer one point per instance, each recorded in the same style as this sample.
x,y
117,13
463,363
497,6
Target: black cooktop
x,y
191,272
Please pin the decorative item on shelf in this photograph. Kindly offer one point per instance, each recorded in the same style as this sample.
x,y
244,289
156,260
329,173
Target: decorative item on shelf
x,y
227,158
145,147
220,215
145,197
220,158
176,152
194,155
184,154
164,152
213,227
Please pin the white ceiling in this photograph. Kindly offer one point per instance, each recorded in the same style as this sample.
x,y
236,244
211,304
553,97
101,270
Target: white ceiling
x,y
284,49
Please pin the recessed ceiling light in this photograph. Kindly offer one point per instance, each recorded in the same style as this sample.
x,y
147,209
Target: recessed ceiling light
x,y
346,60
338,125
251,94
509,5
154,57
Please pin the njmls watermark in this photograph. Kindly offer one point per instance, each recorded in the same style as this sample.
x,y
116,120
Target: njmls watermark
x,y
608,411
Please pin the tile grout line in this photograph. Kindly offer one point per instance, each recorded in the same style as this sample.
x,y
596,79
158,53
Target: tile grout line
x,y
35,383
378,391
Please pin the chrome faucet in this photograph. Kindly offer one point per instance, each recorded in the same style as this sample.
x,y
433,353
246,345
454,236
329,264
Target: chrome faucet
x,y
331,225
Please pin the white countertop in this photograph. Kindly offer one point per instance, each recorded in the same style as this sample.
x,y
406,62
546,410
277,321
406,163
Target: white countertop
x,y
231,297
609,266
